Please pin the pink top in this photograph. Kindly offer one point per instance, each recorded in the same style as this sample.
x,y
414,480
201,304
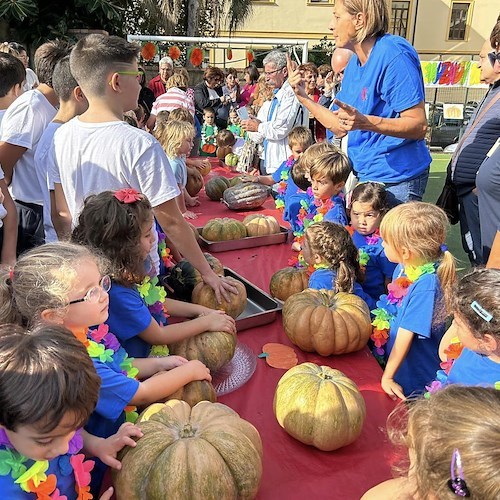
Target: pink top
x,y
172,99
246,93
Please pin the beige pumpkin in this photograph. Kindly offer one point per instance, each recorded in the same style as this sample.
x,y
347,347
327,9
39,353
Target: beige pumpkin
x,y
319,406
195,391
261,225
288,281
223,229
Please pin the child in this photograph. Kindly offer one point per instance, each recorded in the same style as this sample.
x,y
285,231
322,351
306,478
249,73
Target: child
x,y
176,139
41,438
225,141
368,207
410,321
452,440
209,132
120,229
330,252
233,124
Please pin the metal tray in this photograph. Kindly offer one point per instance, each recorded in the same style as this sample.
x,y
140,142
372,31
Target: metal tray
x,y
261,309
248,242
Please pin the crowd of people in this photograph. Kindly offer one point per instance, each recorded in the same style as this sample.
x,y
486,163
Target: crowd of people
x,y
94,207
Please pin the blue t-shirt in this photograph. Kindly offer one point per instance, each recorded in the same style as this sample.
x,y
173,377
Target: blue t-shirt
x,y
292,196
390,82
419,313
128,317
324,278
178,164
378,268
472,368
337,212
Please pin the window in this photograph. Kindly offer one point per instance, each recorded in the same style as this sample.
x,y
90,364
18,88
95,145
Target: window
x,y
459,17
399,18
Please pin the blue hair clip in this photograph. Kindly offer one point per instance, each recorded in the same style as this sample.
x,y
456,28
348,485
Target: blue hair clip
x,y
481,311
457,483
443,248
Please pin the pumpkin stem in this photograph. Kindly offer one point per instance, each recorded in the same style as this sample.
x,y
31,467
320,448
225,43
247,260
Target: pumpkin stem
x,y
325,376
187,432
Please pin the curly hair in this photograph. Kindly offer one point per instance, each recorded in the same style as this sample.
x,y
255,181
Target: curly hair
x,y
113,229
333,243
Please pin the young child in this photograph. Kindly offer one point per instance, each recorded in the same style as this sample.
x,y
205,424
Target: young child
x,y
176,139
45,403
209,132
410,321
120,228
329,251
368,207
452,440
225,141
233,124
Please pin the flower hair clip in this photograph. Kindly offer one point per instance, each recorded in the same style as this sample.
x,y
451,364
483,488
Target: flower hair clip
x,y
128,195
457,483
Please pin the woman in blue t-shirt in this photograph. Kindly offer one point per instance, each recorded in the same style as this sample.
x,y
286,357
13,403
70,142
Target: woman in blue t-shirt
x,y
381,102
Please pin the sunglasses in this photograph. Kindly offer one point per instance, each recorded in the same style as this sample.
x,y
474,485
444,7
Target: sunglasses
x,y
494,57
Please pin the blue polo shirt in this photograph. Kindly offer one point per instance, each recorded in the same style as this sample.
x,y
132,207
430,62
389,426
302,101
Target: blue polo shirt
x,y
472,368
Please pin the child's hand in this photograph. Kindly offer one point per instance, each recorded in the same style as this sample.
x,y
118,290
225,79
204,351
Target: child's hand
x,y
107,449
189,215
200,164
192,201
198,370
169,362
250,178
392,388
220,323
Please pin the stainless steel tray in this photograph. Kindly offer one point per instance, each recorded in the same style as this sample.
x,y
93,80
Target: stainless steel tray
x,y
248,242
261,309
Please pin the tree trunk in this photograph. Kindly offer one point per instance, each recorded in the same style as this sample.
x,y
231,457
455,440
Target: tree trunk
x,y
193,8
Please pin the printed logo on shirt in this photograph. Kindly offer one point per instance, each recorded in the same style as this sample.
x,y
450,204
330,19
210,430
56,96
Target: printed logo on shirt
x,y
364,93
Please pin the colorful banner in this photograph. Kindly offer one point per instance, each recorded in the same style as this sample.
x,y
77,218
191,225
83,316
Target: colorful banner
x,y
451,74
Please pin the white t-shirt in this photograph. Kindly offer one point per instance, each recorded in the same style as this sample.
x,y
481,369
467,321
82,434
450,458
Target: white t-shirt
x,y
31,80
23,125
41,169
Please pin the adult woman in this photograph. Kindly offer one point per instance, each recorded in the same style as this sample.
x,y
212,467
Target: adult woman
x,y
231,89
381,102
17,50
208,94
251,76
310,72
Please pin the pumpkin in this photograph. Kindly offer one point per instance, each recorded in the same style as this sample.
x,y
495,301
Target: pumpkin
x,y
245,195
261,225
319,406
206,167
213,349
194,182
235,181
223,230
231,159
206,452
195,391
223,151
215,187
288,281
204,295
327,323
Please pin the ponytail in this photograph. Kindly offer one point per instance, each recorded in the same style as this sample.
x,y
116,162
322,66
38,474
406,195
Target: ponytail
x,y
344,282
447,275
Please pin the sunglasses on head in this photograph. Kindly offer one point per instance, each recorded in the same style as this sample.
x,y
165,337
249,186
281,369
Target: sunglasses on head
x,y
494,57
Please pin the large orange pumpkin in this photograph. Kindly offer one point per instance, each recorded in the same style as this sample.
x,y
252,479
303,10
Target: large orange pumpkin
x,y
261,225
319,406
327,323
288,281
206,452
196,391
224,229
204,295
213,349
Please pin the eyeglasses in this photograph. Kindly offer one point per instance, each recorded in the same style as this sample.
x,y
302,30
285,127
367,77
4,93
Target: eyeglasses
x,y
94,294
269,73
137,74
494,57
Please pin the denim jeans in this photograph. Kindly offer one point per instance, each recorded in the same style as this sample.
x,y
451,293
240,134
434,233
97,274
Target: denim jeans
x,y
410,190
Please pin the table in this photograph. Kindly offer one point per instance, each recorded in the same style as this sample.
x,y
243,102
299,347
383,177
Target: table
x,y
293,470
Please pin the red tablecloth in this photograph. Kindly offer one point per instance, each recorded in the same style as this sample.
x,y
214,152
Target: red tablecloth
x,y
293,470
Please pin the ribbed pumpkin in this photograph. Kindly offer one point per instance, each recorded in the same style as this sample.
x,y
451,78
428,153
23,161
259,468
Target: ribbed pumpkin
x,y
213,349
261,225
235,181
245,196
288,281
327,323
319,406
194,182
184,276
224,229
215,187
205,168
206,452
204,295
196,391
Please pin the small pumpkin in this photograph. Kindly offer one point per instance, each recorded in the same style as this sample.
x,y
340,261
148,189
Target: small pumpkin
x,y
206,167
327,323
223,229
245,196
194,182
235,181
319,406
204,295
196,391
215,187
288,281
207,452
231,159
213,349
261,225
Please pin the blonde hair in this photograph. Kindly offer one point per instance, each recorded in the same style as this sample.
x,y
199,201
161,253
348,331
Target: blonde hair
x,y
300,136
182,115
178,80
173,134
302,167
334,165
376,14
456,417
421,227
42,278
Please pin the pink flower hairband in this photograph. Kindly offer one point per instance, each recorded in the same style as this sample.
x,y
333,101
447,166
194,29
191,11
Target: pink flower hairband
x,y
128,195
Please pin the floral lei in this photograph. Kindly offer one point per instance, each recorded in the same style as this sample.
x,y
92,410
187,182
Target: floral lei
x,y
372,239
285,175
387,305
35,480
